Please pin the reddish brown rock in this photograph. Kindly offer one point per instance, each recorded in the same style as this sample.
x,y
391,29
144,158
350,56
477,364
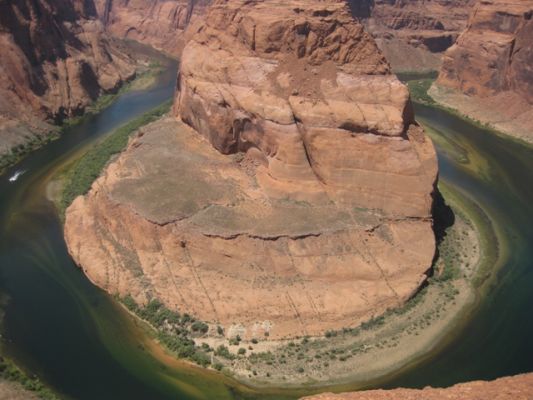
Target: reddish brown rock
x,y
55,61
159,23
413,33
519,387
300,202
492,64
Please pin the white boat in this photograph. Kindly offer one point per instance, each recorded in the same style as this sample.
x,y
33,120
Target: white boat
x,y
16,175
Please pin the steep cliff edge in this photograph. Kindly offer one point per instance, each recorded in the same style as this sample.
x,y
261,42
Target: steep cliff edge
x,y
489,71
295,198
159,23
519,387
413,33
55,61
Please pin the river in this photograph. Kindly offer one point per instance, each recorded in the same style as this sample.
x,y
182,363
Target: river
x,y
81,343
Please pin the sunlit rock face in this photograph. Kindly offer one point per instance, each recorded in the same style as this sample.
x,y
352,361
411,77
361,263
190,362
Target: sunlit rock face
x,y
159,23
413,33
509,388
495,53
291,190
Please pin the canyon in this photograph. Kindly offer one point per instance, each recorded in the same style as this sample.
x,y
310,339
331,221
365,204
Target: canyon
x,y
488,73
413,34
292,192
56,60
519,387
159,23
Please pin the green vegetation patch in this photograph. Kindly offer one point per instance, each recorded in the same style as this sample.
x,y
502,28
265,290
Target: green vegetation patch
x,y
174,330
79,178
10,372
419,90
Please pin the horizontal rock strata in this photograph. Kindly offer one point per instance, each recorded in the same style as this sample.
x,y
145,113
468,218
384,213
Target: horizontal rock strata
x,y
295,196
55,61
492,66
159,23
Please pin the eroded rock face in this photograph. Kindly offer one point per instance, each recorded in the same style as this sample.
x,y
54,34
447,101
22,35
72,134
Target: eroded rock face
x,y
519,387
159,23
413,33
55,61
495,53
493,61
307,92
300,202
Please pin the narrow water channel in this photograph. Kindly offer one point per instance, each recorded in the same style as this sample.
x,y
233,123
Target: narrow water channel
x,y
75,337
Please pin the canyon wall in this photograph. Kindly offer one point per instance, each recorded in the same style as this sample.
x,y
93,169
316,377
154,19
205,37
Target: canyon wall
x,y
519,387
292,194
490,68
55,61
159,23
413,33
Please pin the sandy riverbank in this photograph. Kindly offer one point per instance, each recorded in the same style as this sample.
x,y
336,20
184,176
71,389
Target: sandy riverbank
x,y
515,121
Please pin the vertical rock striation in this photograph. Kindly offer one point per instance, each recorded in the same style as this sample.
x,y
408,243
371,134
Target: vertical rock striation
x,y
413,33
159,23
492,64
55,61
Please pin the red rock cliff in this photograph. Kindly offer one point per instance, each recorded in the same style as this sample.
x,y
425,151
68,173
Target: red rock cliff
x,y
55,61
495,53
159,23
300,202
413,33
492,64
519,387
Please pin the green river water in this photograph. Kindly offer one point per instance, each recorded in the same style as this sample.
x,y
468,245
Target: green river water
x,y
80,342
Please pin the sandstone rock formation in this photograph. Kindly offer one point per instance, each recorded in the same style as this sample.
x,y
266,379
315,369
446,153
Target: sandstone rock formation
x,y
159,23
300,202
55,61
519,387
492,64
413,33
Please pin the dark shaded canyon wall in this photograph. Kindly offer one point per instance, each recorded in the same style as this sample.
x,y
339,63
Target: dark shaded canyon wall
x,y
55,61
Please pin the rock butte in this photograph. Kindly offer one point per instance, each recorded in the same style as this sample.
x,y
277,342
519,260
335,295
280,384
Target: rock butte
x,y
492,65
519,387
295,197
56,60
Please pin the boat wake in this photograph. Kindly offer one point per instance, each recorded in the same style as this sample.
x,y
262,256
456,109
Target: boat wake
x,y
16,175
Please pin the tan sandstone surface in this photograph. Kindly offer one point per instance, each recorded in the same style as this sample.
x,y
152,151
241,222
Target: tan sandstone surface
x,y
55,60
488,73
519,387
300,202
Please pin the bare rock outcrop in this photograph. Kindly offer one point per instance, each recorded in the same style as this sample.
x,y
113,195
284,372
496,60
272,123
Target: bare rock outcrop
x,y
159,23
413,33
55,61
491,64
519,387
295,196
